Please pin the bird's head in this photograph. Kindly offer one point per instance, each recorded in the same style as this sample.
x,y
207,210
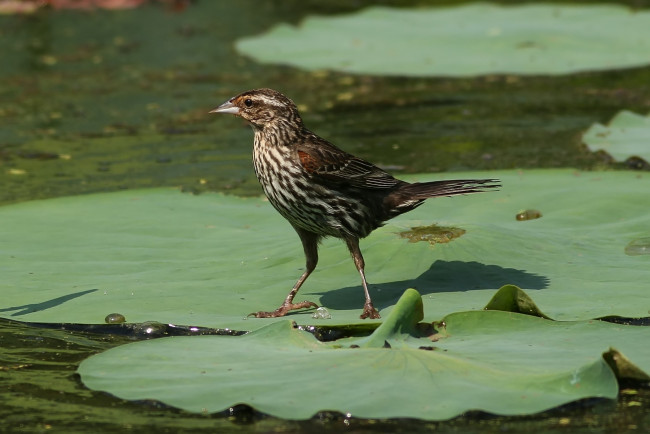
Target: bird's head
x,y
263,108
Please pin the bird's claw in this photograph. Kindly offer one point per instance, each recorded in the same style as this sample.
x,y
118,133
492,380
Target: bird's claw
x,y
369,311
284,309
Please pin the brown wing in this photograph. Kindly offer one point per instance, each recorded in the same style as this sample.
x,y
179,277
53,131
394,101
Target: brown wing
x,y
331,164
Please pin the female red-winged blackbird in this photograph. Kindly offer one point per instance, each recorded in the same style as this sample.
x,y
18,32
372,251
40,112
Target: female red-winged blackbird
x,y
322,190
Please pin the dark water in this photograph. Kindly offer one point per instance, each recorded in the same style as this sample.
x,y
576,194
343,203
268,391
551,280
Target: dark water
x,y
107,100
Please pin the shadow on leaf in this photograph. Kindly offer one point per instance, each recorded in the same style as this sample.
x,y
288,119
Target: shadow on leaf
x,y
48,304
442,276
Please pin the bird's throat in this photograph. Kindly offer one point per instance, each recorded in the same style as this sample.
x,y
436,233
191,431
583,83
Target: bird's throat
x,y
276,135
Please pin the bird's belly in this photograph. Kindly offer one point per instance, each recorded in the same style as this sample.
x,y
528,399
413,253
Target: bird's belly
x,y
312,206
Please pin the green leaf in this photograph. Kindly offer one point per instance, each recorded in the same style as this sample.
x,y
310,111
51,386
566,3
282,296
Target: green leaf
x,y
464,40
400,324
494,361
627,135
511,298
209,260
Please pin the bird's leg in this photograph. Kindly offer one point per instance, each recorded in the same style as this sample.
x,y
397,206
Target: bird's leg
x,y
369,310
310,245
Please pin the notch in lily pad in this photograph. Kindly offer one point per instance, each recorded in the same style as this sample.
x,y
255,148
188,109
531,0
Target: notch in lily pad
x,y
624,138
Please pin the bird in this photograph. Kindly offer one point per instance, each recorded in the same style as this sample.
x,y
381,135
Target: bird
x,y
324,191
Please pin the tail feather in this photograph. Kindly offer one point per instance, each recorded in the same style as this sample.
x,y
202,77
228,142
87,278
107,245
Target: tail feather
x,y
425,190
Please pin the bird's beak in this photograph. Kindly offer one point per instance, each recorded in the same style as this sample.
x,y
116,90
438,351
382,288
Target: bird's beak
x,y
226,107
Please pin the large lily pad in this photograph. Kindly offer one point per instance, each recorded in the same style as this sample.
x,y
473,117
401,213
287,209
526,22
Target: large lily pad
x,y
462,40
627,135
209,260
494,361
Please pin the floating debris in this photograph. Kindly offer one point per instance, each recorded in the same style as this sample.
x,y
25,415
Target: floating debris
x,y
433,234
528,214
38,155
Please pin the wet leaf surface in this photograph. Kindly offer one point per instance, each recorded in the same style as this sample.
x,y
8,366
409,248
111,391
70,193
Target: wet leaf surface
x,y
142,253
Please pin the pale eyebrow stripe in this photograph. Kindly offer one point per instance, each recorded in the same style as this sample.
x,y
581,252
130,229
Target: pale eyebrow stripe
x,y
271,101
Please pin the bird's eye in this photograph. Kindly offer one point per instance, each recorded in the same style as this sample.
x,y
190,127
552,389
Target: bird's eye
x,y
248,102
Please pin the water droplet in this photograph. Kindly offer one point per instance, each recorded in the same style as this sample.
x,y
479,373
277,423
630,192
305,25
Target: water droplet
x,y
640,246
321,313
528,214
114,318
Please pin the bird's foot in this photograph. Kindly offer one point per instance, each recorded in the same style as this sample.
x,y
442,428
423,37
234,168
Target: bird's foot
x,y
369,311
284,309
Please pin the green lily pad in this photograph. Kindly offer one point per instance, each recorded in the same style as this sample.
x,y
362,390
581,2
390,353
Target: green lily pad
x,y
494,361
209,260
463,40
627,135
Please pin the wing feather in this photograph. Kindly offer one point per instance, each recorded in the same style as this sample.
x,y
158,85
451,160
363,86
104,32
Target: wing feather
x,y
331,164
